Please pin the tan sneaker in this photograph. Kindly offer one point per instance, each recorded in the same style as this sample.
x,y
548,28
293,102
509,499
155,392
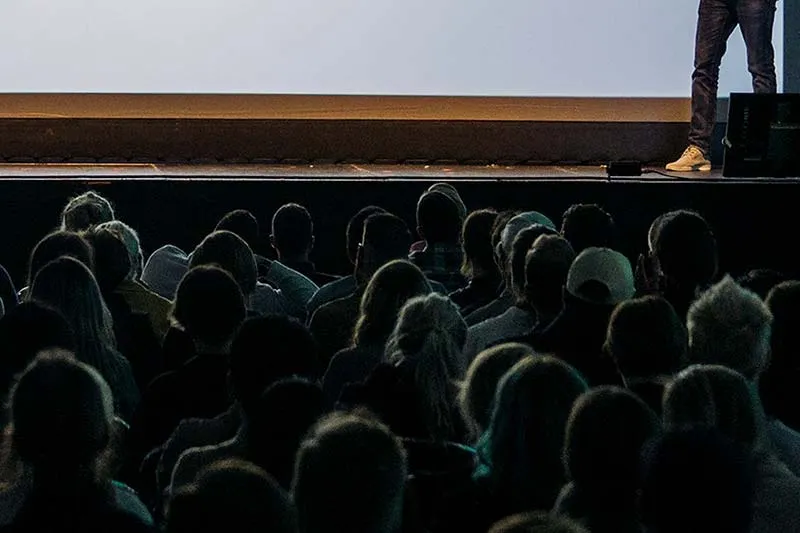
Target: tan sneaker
x,y
692,159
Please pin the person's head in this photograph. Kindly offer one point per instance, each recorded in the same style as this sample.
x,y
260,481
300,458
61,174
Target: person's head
x,y
761,280
730,326
600,276
227,493
25,330
390,288
266,349
439,218
684,246
713,396
524,441
509,231
497,233
355,230
607,428
56,244
695,481
232,254
8,293
292,231
547,264
112,264
476,242
67,285
537,522
284,413
517,259
243,223
385,237
164,269
85,211
646,338
452,193
588,225
61,417
349,476
783,302
132,244
429,336
209,307
477,394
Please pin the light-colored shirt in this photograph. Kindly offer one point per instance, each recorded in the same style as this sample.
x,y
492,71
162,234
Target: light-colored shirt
x,y
514,322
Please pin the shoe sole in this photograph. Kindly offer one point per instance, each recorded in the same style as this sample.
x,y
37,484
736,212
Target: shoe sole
x,y
703,167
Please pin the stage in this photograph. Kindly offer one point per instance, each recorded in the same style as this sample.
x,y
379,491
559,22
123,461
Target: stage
x,y
346,172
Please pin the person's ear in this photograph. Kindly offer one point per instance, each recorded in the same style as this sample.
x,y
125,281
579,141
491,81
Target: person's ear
x,y
420,233
272,241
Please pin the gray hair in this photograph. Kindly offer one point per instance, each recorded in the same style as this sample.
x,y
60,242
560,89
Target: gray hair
x,y
730,326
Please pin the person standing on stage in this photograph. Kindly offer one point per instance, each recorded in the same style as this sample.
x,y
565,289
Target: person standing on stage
x,y
716,21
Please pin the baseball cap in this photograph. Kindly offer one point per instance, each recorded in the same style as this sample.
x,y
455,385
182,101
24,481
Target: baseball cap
x,y
601,276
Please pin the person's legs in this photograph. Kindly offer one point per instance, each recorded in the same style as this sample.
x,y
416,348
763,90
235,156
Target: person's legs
x,y
715,23
756,19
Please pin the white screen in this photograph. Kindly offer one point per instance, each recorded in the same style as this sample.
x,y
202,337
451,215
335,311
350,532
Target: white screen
x,y
360,47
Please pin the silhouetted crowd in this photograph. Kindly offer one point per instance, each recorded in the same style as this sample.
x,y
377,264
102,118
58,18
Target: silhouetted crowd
x,y
486,371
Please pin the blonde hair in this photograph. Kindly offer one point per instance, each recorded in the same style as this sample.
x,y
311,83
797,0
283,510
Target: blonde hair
x,y
430,334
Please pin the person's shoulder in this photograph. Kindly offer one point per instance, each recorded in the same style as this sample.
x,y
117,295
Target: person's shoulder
x,y
332,307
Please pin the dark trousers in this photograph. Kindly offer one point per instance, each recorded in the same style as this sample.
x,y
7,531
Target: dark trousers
x,y
715,22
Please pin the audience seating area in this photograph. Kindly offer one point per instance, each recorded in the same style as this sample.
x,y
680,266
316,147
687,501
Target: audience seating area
x,y
399,357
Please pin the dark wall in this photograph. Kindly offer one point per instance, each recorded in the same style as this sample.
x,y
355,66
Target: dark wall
x,y
749,218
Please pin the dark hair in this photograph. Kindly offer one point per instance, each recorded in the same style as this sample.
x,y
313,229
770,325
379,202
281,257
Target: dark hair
x,y
647,338
209,305
112,263
355,229
686,249
476,241
607,428
8,293
438,218
524,442
778,384
227,492
243,223
761,281
537,522
231,253
61,412
587,225
267,349
25,330
547,265
695,481
284,413
56,244
292,229
387,236
388,290
349,476
69,286
497,236
478,389
519,251
85,211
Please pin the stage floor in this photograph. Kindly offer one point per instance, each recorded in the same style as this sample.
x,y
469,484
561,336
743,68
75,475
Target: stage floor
x,y
351,172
